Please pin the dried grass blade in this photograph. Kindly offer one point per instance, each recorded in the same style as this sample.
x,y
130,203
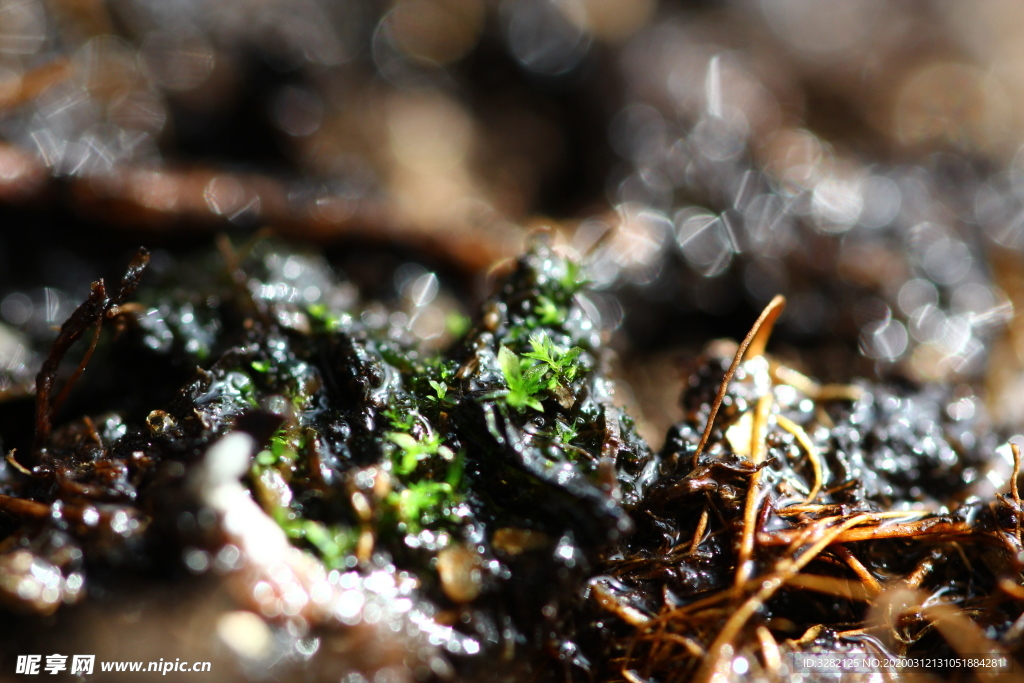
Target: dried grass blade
x,y
757,338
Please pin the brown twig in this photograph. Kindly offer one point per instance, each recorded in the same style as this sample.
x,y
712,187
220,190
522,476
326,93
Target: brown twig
x,y
921,571
62,396
691,645
962,633
925,527
24,507
1014,492
862,572
769,651
805,509
698,535
90,312
831,585
758,333
812,453
721,649
757,449
17,465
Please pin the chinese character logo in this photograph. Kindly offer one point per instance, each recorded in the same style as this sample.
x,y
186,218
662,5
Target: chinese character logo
x,y
83,664
55,663
28,664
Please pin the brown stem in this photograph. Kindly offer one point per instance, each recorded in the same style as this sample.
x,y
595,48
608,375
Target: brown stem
x,y
23,507
90,312
766,320
62,396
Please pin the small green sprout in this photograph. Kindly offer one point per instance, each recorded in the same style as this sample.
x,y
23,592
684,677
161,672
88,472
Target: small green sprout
x,y
401,420
438,375
571,280
414,451
333,543
566,432
420,504
523,383
328,318
549,313
285,445
441,389
563,364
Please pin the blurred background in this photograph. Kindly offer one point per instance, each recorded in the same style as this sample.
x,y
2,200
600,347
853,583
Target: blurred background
x,y
861,158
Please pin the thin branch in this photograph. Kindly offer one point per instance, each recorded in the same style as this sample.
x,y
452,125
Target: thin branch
x,y
698,535
812,453
1013,487
63,395
804,509
863,573
764,322
17,465
90,312
769,651
924,527
757,450
832,585
720,652
23,507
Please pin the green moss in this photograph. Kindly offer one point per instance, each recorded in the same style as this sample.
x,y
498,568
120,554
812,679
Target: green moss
x,y
571,279
334,543
524,379
411,451
440,389
564,365
422,504
324,319
505,427
565,432
547,312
